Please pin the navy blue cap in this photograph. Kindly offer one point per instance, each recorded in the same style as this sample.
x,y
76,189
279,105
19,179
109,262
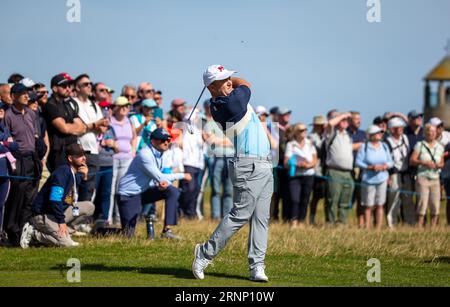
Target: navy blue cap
x,y
274,110
160,134
414,114
378,120
18,88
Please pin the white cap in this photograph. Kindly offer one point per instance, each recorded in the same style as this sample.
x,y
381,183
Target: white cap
x,y
216,72
260,110
396,122
27,82
374,129
435,121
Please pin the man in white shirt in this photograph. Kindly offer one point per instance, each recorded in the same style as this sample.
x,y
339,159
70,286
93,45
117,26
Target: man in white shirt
x,y
400,178
91,115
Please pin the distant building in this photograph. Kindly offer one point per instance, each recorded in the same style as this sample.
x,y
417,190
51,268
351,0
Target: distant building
x,y
437,91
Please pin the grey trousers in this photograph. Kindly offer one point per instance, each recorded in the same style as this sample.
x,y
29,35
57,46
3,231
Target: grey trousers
x,y
252,193
46,227
398,201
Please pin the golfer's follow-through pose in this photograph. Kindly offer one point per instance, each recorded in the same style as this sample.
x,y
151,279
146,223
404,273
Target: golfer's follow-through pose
x,y
250,171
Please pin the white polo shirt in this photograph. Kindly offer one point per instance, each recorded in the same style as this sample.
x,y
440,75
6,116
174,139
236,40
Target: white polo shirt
x,y
89,113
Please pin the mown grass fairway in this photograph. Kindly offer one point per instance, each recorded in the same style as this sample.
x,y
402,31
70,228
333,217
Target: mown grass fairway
x,y
313,257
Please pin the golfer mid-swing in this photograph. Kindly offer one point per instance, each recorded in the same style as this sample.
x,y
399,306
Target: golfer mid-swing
x,y
250,171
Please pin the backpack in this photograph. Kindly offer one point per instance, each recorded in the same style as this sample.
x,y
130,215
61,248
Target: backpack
x,y
323,151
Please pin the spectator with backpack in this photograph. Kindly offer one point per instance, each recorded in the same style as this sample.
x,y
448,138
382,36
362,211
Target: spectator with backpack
x,y
339,165
374,158
400,205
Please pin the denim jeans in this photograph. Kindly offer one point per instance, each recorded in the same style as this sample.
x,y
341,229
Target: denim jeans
x,y
103,193
120,167
220,204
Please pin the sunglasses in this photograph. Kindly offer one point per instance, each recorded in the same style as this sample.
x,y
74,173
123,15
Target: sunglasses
x,y
64,86
42,92
129,97
147,91
86,84
102,90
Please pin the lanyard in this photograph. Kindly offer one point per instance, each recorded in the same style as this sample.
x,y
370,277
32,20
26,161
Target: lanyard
x,y
75,191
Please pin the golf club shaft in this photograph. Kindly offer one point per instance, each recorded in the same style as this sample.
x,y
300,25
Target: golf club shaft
x,y
195,106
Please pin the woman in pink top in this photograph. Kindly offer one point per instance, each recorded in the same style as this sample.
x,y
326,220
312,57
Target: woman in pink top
x,y
124,146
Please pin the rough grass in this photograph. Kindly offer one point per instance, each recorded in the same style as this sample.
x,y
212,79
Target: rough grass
x,y
315,256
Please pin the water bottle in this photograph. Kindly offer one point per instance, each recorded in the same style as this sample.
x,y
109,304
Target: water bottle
x,y
150,228
292,166
166,170
75,211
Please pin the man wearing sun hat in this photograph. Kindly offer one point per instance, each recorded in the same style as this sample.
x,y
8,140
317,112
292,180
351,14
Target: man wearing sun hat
x,y
399,204
250,168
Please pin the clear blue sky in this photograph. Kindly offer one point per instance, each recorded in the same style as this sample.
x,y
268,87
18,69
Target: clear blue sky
x,y
308,55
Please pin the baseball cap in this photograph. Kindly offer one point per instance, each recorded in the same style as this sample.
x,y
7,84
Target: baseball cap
x,y
284,111
18,88
121,101
149,103
74,150
378,120
373,129
396,122
414,114
33,97
104,104
160,134
110,90
216,72
319,120
274,110
261,110
435,121
60,79
27,82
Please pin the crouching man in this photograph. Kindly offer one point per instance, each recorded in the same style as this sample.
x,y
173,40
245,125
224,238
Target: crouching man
x,y
56,210
144,183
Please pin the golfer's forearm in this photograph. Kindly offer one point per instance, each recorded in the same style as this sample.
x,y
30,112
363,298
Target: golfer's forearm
x,y
238,82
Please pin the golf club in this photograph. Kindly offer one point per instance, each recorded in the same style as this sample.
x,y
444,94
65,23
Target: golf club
x,y
190,129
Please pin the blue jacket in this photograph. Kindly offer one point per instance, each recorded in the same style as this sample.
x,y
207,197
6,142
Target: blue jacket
x,y
374,156
57,194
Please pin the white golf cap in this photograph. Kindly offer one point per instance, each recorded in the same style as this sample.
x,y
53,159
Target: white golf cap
x,y
396,122
260,110
216,72
435,121
27,82
374,129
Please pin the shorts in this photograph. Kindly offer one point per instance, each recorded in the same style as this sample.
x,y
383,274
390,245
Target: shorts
x,y
429,196
373,194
